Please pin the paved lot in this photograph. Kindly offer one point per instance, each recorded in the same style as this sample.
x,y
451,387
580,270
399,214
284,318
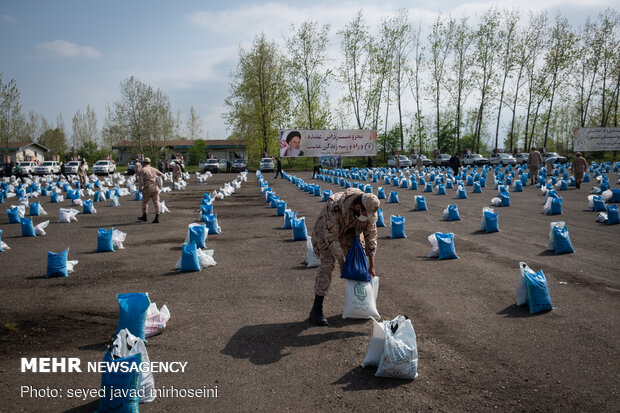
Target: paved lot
x,y
241,325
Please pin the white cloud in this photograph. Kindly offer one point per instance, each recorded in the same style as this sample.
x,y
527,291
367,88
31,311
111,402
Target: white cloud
x,y
62,48
7,18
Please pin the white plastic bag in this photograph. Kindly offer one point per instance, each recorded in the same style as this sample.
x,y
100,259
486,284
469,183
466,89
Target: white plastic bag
x,y
607,195
521,290
400,351
602,217
4,246
163,208
155,320
39,229
483,221
311,259
375,347
590,202
560,225
118,237
496,201
70,265
360,299
446,214
67,215
547,207
125,345
434,246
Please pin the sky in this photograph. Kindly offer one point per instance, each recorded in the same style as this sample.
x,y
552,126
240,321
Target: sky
x,y
67,54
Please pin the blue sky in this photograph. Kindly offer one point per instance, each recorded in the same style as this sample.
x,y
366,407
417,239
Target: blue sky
x,y
65,55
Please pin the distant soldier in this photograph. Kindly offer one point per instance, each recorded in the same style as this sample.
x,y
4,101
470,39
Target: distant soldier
x,y
534,162
579,168
278,168
82,174
137,166
176,171
147,184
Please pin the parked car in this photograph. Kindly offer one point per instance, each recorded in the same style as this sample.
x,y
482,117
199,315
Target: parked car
x,y
502,159
26,167
201,164
47,168
72,167
266,165
425,160
474,159
558,158
104,166
239,165
443,159
521,158
131,167
215,165
402,160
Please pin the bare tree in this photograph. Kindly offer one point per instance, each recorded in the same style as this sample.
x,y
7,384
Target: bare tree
x,y
84,128
439,39
194,125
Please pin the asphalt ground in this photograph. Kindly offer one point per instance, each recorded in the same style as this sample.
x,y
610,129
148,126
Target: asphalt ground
x,y
242,325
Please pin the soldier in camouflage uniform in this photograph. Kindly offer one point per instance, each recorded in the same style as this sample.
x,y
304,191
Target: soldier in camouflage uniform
x,y
147,183
347,215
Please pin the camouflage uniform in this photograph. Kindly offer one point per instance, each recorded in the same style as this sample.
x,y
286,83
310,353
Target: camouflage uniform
x,y
176,172
579,168
137,167
534,162
335,230
147,183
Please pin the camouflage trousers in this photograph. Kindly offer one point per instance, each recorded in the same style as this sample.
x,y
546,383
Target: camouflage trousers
x,y
147,194
328,262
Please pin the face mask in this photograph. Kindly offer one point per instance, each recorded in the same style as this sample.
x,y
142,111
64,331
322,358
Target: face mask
x,y
362,218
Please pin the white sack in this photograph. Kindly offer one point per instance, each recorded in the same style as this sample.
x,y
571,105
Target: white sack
x,y
311,259
560,225
375,347
125,345
118,237
360,299
434,246
39,229
67,215
155,320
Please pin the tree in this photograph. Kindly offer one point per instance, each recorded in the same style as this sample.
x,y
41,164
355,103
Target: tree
x,y
196,152
419,130
388,143
11,119
307,50
439,39
194,125
84,128
54,140
259,101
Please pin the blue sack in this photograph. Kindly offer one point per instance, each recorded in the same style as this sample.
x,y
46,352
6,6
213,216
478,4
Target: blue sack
x,y
189,258
477,188
1,250
453,213
586,177
27,228
491,220
612,215
54,198
563,185
461,193
317,190
57,264
556,206
398,227
356,265
505,198
280,208
562,241
289,216
381,193
97,196
132,313
414,184
449,184
599,204
299,229
34,209
445,242
615,196
368,189
87,207
326,194
428,187
198,235
441,190
518,186
274,200
211,223
14,217
420,203
538,298
380,221
393,198
104,240
120,387
206,209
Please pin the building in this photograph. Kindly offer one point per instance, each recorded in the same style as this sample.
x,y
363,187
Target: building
x,y
23,151
217,148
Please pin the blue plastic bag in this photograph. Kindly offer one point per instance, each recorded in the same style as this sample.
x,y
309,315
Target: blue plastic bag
x,y
120,388
505,198
206,209
57,264
289,216
398,227
599,204
477,188
518,186
280,208
326,194
34,209
299,229
381,193
104,240
14,217
615,196
414,184
189,257
356,265
97,196
453,213
612,215
462,194
441,189
393,198
274,200
1,250
87,207
211,223
562,241
132,313
445,242
556,206
428,187
538,298
198,235
380,221
420,203
491,221
27,228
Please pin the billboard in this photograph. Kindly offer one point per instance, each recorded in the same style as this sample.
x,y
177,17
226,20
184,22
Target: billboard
x,y
298,142
596,139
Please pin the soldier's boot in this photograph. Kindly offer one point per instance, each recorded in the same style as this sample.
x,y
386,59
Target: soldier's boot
x,y
316,314
142,218
156,220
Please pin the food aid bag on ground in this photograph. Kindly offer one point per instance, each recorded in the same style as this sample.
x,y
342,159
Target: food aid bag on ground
x,y
311,259
420,203
356,264
360,299
58,265
486,211
451,213
434,247
562,241
126,345
118,237
27,228
104,240
602,217
375,347
197,233
67,215
163,208
521,289
120,389
538,298
132,313
551,243
400,350
496,201
299,229
156,320
380,220
397,224
289,216
3,245
204,257
612,215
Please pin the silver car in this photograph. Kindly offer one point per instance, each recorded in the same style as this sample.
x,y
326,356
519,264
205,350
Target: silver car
x,y
104,166
47,168
403,161
266,165
502,159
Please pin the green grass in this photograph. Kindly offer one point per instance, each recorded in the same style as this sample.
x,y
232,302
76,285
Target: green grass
x,y
10,326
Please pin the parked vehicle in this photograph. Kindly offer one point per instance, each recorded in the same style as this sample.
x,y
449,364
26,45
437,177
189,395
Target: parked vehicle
x,y
131,167
558,158
266,165
47,168
104,166
26,167
443,159
239,165
425,160
502,159
474,159
215,165
403,161
521,158
201,164
72,167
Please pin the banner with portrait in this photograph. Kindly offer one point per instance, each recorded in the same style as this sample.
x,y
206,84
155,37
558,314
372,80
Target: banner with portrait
x,y
596,139
317,143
